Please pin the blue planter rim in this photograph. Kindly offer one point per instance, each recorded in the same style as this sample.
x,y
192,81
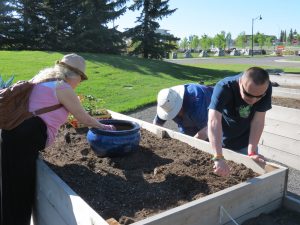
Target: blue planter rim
x,y
115,122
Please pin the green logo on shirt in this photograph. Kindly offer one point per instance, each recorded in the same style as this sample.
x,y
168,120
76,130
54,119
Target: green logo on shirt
x,y
245,111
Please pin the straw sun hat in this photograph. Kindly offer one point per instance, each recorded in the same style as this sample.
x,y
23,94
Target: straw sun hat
x,y
169,102
74,63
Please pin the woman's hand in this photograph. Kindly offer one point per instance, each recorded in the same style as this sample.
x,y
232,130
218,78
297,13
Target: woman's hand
x,y
108,127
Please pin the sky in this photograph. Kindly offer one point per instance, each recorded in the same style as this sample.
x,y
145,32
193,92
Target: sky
x,y
210,17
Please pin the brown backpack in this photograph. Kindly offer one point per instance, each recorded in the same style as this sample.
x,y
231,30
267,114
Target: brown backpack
x,y
14,104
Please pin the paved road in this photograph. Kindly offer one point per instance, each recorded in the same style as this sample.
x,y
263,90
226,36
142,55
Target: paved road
x,y
258,61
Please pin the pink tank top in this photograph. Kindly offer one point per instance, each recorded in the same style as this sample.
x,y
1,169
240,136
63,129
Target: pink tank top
x,y
43,95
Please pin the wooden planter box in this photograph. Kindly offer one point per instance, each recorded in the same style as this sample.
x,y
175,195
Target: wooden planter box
x,y
57,204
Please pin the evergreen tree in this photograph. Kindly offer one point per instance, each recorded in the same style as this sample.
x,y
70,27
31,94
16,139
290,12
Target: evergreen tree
x,y
145,36
9,26
71,25
82,25
291,36
31,20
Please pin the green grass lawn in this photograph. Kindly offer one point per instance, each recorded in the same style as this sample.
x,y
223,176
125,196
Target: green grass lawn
x,y
121,83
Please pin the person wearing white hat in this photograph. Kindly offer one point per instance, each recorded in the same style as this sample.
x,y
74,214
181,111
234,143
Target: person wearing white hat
x,y
187,106
20,146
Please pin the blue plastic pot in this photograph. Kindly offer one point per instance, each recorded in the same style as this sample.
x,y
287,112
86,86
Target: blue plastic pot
x,y
121,142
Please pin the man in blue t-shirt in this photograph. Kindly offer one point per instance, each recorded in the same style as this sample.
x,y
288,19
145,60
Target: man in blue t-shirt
x,y
237,115
187,105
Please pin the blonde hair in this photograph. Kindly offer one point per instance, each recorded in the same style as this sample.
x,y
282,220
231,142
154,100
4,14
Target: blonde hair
x,y
57,71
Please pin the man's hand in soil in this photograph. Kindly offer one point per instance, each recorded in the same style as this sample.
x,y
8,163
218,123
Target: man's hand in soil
x,y
221,168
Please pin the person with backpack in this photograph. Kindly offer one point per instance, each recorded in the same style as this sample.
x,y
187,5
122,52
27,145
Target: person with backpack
x,y
20,145
187,105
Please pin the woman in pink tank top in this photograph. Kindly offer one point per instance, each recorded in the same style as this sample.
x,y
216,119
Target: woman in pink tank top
x,y
20,146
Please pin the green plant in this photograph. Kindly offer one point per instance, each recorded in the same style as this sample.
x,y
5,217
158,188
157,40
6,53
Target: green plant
x,y
5,84
92,105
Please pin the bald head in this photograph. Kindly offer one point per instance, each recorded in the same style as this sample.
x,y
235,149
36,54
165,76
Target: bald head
x,y
257,75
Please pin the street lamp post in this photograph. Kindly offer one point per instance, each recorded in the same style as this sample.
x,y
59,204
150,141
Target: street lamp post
x,y
259,18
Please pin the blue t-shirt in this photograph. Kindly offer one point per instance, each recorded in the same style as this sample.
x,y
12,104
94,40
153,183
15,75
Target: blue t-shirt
x,y
196,100
236,113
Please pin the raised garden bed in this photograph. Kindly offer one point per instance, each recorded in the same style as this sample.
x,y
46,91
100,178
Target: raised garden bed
x,y
165,178
163,174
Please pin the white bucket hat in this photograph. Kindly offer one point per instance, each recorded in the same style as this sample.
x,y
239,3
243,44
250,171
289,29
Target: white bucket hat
x,y
74,63
169,102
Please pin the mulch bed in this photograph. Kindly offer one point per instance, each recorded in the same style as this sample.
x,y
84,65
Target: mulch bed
x,y
162,174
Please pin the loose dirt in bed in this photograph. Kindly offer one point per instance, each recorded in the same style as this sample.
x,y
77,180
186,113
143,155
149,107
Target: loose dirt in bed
x,y
162,174
286,102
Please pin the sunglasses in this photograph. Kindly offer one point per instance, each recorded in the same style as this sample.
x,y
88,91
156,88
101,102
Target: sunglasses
x,y
250,95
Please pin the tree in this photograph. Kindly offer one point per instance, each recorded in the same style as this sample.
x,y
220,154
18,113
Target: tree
x,y
184,44
220,41
82,25
149,42
260,39
195,42
241,40
269,41
9,26
291,36
69,25
205,42
228,40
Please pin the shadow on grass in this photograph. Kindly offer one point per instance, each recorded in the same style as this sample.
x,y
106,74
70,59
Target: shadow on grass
x,y
158,67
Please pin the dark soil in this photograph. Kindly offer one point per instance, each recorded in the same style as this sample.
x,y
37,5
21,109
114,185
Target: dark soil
x,y
162,174
286,102
281,216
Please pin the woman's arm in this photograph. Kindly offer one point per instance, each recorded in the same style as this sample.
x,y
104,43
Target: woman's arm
x,y
69,99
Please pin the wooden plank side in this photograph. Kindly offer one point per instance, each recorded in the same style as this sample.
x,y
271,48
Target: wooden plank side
x,y
281,143
280,156
284,114
46,213
283,128
238,200
67,203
